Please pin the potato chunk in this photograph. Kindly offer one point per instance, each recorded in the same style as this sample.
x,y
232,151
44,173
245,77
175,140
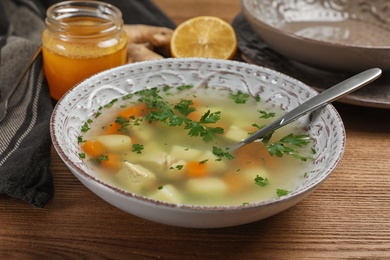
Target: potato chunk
x,y
184,153
208,186
236,134
167,193
115,143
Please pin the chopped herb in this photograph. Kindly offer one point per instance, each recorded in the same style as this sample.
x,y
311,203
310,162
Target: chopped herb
x,y
257,98
160,187
80,139
281,192
103,158
137,148
123,123
166,88
210,118
203,162
219,152
179,166
280,148
112,102
184,87
305,175
82,155
164,112
207,133
265,114
128,96
184,107
245,203
313,151
261,181
85,127
240,97
98,114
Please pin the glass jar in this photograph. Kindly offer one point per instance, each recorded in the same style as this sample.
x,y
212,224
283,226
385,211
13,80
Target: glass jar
x,y
81,38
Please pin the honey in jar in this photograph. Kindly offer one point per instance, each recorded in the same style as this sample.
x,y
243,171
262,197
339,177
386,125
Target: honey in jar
x,y
81,38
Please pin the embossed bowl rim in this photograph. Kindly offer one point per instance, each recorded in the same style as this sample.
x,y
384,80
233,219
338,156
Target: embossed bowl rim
x,y
59,143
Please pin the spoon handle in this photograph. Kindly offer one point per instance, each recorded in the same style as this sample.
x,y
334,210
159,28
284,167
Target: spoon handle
x,y
341,89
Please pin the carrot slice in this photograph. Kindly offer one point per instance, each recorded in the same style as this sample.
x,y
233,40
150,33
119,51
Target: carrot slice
x,y
134,111
111,162
234,182
254,155
112,128
197,169
93,148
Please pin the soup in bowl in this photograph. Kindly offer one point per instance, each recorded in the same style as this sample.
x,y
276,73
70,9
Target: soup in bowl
x,y
153,139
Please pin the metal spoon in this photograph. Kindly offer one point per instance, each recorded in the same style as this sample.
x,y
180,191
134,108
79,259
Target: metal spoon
x,y
337,91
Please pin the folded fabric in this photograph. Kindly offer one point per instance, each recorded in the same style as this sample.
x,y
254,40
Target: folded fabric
x,y
25,144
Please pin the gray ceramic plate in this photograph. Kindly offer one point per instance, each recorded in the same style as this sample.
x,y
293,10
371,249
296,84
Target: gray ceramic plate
x,y
329,34
253,49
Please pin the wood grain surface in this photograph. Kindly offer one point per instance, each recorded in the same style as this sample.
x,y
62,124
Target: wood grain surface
x,y
348,217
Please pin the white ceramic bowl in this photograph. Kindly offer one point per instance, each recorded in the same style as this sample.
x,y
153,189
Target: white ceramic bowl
x,y
335,35
79,104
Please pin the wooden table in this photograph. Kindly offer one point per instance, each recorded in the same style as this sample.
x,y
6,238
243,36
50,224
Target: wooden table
x,y
347,217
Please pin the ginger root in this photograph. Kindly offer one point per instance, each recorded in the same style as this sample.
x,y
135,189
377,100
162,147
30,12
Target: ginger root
x,y
144,40
140,52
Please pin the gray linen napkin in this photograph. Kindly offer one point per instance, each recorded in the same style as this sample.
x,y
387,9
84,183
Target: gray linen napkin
x,y
24,134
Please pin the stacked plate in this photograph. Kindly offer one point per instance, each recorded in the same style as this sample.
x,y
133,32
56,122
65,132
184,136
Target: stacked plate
x,y
320,42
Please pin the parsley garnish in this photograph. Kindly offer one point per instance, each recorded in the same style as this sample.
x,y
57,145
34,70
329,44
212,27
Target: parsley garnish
x,y
198,129
85,127
280,148
128,96
98,114
164,112
219,152
112,102
240,97
166,88
123,123
184,87
179,166
184,107
82,155
281,192
80,139
265,114
203,162
137,148
103,158
261,181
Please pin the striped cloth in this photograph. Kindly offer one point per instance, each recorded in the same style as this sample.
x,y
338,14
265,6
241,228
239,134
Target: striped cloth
x,y
24,133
